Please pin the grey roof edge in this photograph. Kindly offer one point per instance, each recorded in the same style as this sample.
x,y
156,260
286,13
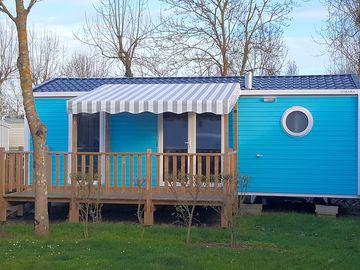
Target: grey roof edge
x,y
39,88
46,82
356,80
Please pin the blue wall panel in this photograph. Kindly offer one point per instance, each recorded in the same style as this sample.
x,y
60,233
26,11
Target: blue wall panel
x,y
53,114
231,129
133,133
323,162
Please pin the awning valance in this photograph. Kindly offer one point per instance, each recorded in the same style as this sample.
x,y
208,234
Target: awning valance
x,y
217,98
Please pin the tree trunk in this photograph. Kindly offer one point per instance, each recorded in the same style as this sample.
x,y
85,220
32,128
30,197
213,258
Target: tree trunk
x,y
188,235
128,71
38,130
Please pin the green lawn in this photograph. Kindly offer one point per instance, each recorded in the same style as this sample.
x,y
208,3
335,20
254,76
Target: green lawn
x,y
271,241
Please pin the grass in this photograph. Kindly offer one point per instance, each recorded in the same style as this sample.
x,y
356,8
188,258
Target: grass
x,y
271,241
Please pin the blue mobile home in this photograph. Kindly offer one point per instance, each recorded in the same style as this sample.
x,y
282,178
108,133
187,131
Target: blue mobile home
x,y
294,135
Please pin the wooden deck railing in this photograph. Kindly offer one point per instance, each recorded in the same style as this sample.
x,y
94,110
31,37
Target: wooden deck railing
x,y
122,172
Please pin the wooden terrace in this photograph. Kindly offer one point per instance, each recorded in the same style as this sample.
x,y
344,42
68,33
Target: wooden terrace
x,y
149,179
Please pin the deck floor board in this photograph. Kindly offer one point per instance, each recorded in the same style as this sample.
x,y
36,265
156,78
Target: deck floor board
x,y
124,197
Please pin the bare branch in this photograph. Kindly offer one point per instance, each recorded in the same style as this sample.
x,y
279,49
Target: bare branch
x,y
8,49
118,31
4,9
45,52
218,34
83,64
31,4
342,35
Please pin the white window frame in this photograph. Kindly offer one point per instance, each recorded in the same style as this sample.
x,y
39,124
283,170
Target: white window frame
x,y
297,109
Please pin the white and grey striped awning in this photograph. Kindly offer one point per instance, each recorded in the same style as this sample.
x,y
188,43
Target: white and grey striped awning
x,y
217,98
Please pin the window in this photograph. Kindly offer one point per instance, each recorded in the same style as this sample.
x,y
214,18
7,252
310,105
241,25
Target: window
x,y
208,133
297,121
208,138
88,139
175,132
88,132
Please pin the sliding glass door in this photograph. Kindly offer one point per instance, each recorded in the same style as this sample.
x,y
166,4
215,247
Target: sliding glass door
x,y
208,137
88,137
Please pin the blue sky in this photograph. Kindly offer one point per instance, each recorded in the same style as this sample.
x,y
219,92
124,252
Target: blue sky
x,y
67,16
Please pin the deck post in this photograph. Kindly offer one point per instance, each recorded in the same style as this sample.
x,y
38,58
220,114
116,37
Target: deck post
x,y
148,206
74,156
3,202
74,216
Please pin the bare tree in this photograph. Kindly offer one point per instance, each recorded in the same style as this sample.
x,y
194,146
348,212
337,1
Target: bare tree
x,y
185,206
233,196
291,68
83,64
140,210
12,100
267,54
342,35
37,128
45,51
4,105
7,51
156,61
206,31
118,31
87,199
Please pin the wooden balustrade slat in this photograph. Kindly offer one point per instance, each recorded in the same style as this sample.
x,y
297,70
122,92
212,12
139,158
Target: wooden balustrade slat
x,y
207,174
139,171
7,188
216,173
91,172
116,160
49,171
66,172
199,165
83,166
132,172
234,167
166,172
11,172
123,172
191,172
107,174
100,172
17,172
26,172
158,174
57,176
74,171
174,172
183,173
149,176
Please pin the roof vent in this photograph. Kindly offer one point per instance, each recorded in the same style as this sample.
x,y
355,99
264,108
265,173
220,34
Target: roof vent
x,y
248,80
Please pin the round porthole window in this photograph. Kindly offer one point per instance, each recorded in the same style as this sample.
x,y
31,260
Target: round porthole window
x,y
297,121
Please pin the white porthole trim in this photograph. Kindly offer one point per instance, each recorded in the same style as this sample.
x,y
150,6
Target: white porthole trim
x,y
297,109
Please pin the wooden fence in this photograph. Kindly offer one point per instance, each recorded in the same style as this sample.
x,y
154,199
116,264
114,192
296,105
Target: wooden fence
x,y
121,172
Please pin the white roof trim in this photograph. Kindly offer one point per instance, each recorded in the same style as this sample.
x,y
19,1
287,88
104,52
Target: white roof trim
x,y
58,94
293,92
301,92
